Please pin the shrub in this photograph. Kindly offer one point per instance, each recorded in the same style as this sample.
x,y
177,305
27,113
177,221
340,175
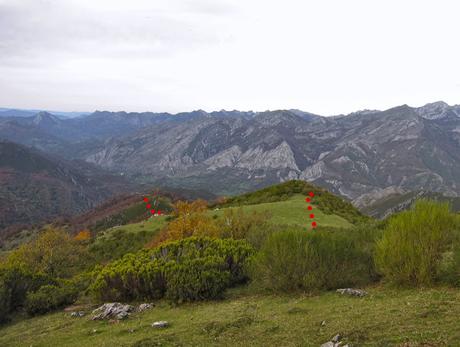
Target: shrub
x,y
324,259
197,279
238,224
411,249
53,253
191,220
15,283
185,270
135,276
49,298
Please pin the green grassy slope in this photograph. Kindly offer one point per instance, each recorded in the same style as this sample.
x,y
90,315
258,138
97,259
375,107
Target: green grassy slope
x,y
293,211
385,317
113,243
328,203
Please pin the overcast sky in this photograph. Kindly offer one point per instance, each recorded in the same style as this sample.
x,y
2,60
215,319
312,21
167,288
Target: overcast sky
x,y
322,56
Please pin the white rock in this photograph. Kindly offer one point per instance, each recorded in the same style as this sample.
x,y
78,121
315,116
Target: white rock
x,y
112,310
146,306
352,292
160,324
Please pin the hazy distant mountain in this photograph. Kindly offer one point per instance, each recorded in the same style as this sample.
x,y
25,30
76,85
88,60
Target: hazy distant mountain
x,y
362,156
397,202
35,186
10,112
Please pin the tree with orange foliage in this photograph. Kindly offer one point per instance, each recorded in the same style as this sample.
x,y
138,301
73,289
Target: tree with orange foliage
x,y
191,220
83,235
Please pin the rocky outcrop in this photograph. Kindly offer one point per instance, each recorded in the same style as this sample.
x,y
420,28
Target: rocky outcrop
x,y
352,292
114,310
336,341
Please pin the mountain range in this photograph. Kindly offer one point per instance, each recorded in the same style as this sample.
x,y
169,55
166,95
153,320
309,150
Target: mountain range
x,y
364,156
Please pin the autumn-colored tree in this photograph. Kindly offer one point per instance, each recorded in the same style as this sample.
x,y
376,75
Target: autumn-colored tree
x,y
221,200
83,235
191,220
54,252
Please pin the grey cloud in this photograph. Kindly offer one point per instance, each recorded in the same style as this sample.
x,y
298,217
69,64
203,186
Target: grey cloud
x,y
37,31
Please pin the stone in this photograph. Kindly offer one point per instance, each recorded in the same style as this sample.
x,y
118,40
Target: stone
x,y
160,324
77,314
336,338
112,310
323,323
122,315
328,344
352,292
143,307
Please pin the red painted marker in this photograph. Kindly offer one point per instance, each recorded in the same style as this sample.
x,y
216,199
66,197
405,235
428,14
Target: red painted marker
x,y
312,216
159,212
313,224
152,211
311,194
307,199
310,208
148,206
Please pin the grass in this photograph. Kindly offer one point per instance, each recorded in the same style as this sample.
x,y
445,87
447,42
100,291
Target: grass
x,y
386,317
152,223
113,243
293,212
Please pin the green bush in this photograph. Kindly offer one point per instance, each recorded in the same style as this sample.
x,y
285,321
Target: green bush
x,y
15,283
135,276
197,279
411,249
49,298
185,270
322,259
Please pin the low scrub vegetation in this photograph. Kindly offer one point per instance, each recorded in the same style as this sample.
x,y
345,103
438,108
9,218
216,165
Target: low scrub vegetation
x,y
186,270
50,297
415,242
42,263
324,259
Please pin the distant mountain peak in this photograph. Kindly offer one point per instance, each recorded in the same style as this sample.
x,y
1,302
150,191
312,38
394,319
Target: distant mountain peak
x,y
43,116
434,110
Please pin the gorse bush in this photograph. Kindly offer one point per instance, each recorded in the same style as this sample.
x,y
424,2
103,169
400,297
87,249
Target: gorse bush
x,y
411,249
197,279
323,259
50,297
185,270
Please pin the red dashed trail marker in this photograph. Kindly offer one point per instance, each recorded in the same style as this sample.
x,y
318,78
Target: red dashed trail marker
x,y
151,206
310,207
